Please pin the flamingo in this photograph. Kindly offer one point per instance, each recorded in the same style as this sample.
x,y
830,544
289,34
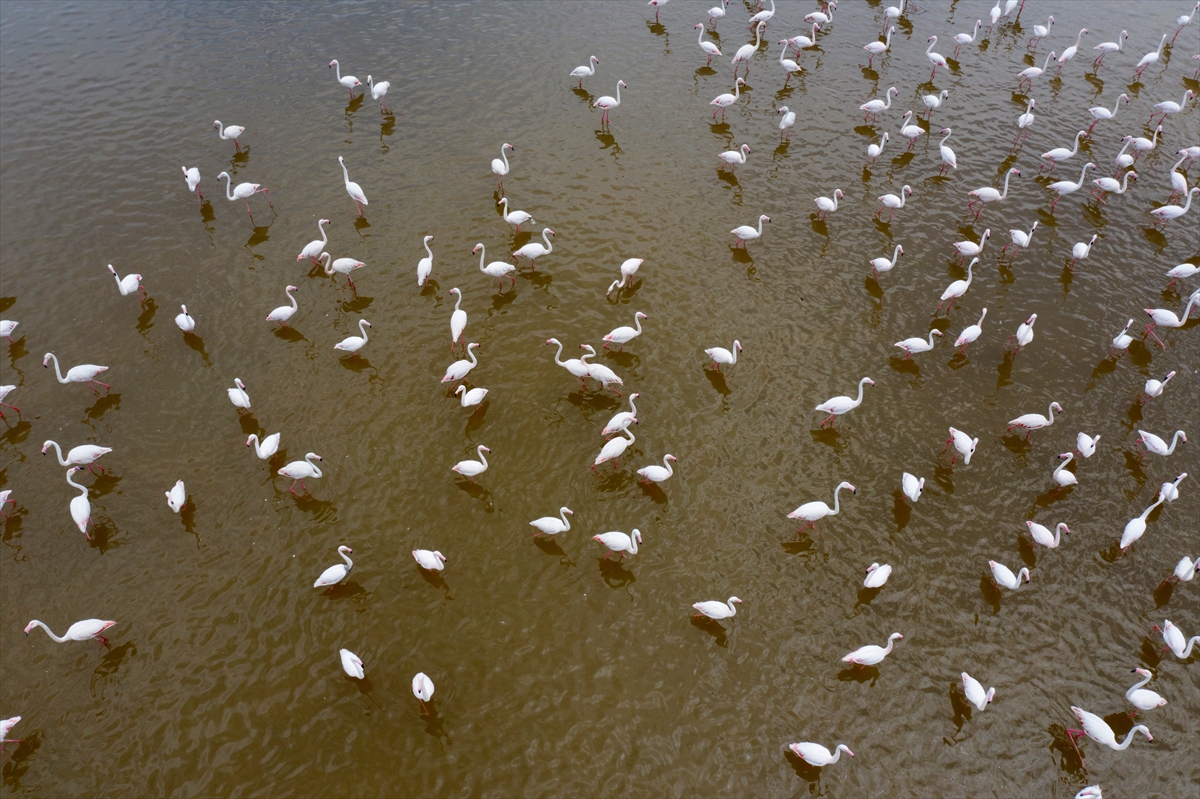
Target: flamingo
x,y
1070,52
821,17
1003,576
243,192
614,448
873,108
1123,160
1099,731
800,43
1080,250
130,284
717,12
353,189
575,366
723,101
496,269
1154,388
1052,157
1060,473
763,16
238,395
533,250
825,205
1065,187
1185,569
628,268
1020,240
917,345
553,525
1085,444
734,157
872,655
877,575
716,610
892,202
625,334
619,542
177,496
192,176
352,664
227,132
472,397
987,194
1041,32
352,344
378,91
284,312
342,266
1159,317
934,58
1174,639
745,52
1168,212
458,370
500,167
1122,340
1025,122
469,468
1028,74
184,320
79,631
298,471
266,448
6,726
425,265
349,81
1034,421
1181,272
585,71
430,560
876,48
933,102
963,445
1024,334
815,754
658,474
1143,145
607,377
1184,20
973,690
81,508
786,122
87,372
605,104
948,157
910,132
745,233
879,265
709,48
1105,186
6,329
967,38
4,392
837,406
873,150
516,218
313,249
335,574
458,319
969,249
958,287
813,512
994,15
721,355
1143,698
1149,58
83,455
422,686
1154,444
1041,534
1171,492
1179,185
1109,47
970,333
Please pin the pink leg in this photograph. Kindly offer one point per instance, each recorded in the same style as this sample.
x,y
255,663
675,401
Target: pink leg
x,y
14,407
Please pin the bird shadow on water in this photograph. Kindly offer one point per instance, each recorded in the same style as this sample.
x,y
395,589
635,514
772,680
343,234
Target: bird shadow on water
x,y
104,484
260,235
17,433
18,762
803,545
319,509
289,334
1068,757
475,490
859,674
607,141
583,94
713,628
343,591
1026,551
434,726
653,492
613,480
865,595
904,365
197,344
1162,594
146,319
548,545
614,573
828,436
960,710
358,304
101,406
990,592
717,379
104,535
111,663
435,579
901,512
805,771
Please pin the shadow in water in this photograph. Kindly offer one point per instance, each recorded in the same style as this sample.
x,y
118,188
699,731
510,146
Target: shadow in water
x,y
1162,594
343,591
828,436
712,627
318,508
473,489
197,344
550,546
901,512
103,405
614,573
288,334
990,591
146,319
904,365
717,380
865,595
805,771
859,674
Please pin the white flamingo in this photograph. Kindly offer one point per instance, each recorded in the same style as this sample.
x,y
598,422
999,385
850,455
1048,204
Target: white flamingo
x,y
825,205
313,249
353,189
429,559
352,344
629,268
1149,58
879,265
963,445
877,576
746,51
815,754
83,455
608,103
515,218
1174,639
872,655
917,344
1020,240
585,71
496,269
243,192
553,525
620,542
987,194
709,48
379,92
425,265
872,108
1143,698
1003,576
721,355
813,512
745,233
1042,535
970,333
459,369
614,448
1035,421
625,334
458,319
1064,187
177,496
575,366
717,610
227,132
500,165
469,468
723,101
266,448
81,508
285,312
658,474
84,373
1060,473
349,82
130,284
335,574
973,690
192,176
79,631
238,395
472,397
534,250
838,406
352,664
298,471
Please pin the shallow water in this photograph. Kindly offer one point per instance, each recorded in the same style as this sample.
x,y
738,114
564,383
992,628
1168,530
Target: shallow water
x,y
557,672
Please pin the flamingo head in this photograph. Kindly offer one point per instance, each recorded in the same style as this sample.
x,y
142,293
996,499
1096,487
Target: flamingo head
x,y
455,290
485,449
737,345
671,458
568,511
735,599
32,624
838,193
741,82
331,63
640,315
870,382
346,549
46,360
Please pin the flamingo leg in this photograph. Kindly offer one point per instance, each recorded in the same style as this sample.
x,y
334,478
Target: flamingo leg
x,y
247,202
14,407
351,282
237,146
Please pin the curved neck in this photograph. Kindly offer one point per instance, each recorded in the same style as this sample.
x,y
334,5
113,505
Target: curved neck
x,y
288,292
257,446
58,372
316,469
557,356
1186,206
1078,136
728,602
1047,62
760,221
49,632
861,383
1129,738
327,260
633,542
1154,138
933,41
734,349
61,462
471,354
887,103
324,235
835,201
1116,106
1007,177
362,326
458,301
228,186
1125,183
1070,457
637,322
429,252
1191,302
1161,42
757,42
1079,38
220,129
931,334
633,409
345,172
837,507
81,489
943,142
667,465
482,249
971,266
1135,686
1082,172
1024,571
837,753
887,42
562,514
546,238
337,68
504,151
1186,653
345,557
700,38
482,459
895,254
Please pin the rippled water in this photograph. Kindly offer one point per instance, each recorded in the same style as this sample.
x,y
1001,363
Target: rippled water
x,y
559,673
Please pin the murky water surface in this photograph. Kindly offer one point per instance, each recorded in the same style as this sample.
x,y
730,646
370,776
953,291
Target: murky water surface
x,y
557,672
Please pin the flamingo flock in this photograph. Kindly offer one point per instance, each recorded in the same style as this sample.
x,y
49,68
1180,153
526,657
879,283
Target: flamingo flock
x,y
619,442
